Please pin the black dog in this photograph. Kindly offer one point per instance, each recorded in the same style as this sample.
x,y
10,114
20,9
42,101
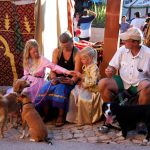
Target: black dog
x,y
128,116
123,98
109,120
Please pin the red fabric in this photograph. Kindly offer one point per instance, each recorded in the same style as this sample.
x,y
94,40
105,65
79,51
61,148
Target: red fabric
x,y
70,5
82,43
78,32
16,27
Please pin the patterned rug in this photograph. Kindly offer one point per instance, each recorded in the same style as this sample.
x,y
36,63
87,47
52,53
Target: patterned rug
x,y
17,25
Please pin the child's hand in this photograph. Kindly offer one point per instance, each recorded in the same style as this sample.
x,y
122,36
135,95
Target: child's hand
x,y
75,74
67,80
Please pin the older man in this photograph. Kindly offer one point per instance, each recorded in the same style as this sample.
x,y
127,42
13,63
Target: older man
x,y
133,63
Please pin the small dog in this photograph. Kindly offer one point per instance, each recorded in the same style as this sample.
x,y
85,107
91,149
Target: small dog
x,y
14,108
128,116
31,118
9,105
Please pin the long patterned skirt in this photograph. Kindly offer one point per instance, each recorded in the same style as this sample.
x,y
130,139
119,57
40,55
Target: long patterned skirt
x,y
54,95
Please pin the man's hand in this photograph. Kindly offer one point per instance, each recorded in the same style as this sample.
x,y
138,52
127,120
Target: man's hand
x,y
110,71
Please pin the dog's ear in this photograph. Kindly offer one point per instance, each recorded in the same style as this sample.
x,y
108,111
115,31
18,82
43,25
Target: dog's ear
x,y
24,84
24,94
16,86
104,106
114,106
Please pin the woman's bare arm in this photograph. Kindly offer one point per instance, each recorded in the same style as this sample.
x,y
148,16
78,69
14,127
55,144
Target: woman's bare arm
x,y
78,66
55,61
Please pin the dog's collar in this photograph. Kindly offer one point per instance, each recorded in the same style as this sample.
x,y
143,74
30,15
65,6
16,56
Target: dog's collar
x,y
27,103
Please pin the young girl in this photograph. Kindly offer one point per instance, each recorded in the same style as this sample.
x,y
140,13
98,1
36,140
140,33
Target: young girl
x,y
85,102
34,66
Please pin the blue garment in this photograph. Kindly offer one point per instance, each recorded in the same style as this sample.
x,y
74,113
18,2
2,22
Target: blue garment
x,y
57,95
86,20
124,27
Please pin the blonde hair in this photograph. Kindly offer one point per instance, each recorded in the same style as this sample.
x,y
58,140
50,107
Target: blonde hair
x,y
26,55
91,52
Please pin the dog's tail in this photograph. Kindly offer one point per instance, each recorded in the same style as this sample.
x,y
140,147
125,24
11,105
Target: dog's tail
x,y
48,140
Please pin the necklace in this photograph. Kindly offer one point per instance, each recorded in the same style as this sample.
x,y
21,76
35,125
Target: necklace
x,y
65,61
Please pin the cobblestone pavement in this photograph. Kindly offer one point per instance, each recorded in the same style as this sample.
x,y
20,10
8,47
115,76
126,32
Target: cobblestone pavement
x,y
90,134
84,134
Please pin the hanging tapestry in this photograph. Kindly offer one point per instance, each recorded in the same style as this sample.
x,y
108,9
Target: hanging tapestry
x,y
17,25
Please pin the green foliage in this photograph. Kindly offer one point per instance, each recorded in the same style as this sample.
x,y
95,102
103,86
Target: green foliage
x,y
101,13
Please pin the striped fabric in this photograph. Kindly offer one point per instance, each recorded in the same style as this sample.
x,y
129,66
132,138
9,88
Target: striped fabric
x,y
70,5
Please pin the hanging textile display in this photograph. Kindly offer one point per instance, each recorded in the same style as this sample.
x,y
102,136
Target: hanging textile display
x,y
16,27
70,5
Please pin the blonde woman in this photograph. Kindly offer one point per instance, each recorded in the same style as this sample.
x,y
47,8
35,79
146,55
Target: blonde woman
x,y
34,66
85,102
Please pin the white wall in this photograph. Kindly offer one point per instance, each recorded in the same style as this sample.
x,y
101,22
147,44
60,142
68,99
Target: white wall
x,y
55,22
51,21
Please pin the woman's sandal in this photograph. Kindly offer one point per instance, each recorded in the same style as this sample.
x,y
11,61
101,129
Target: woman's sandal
x,y
60,121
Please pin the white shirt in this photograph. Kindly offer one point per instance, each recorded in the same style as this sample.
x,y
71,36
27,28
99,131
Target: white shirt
x,y
138,23
128,65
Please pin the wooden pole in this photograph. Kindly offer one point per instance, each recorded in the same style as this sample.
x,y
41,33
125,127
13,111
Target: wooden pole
x,y
111,32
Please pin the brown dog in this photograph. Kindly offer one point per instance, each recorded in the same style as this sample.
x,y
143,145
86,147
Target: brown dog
x,y
9,105
31,118
3,115
13,107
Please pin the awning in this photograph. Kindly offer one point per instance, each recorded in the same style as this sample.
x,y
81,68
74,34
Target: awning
x,y
138,4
